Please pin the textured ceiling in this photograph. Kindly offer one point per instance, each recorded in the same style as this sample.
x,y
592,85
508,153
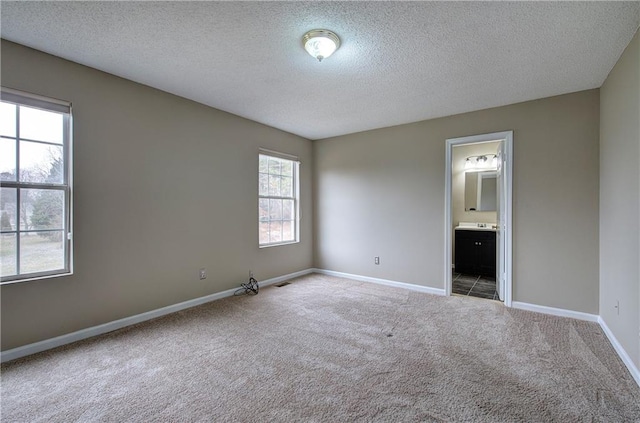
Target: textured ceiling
x,y
399,62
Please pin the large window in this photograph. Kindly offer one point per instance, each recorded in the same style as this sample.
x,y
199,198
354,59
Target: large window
x,y
35,188
278,200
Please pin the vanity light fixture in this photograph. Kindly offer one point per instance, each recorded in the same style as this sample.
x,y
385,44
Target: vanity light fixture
x,y
483,162
320,43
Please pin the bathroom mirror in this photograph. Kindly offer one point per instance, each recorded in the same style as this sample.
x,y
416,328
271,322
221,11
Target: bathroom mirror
x,y
480,191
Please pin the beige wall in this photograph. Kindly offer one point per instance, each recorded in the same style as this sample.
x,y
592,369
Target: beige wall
x,y
381,193
163,187
620,200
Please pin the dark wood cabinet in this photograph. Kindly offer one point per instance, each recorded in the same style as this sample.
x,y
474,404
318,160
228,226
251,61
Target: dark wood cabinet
x,y
475,252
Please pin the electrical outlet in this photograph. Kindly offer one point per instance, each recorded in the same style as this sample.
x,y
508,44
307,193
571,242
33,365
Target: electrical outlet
x,y
376,260
617,307
203,273
250,274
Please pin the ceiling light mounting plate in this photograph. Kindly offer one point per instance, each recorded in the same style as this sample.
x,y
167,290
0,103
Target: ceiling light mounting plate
x,y
320,43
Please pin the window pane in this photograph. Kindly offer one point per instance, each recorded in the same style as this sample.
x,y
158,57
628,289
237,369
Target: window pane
x,y
36,124
263,210
7,119
275,209
263,164
263,186
41,163
287,168
8,254
286,186
287,231
274,185
263,230
26,209
274,166
41,251
44,207
287,210
7,159
8,209
275,231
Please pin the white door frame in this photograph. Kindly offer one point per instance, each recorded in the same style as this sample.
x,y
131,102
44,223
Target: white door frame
x,y
507,229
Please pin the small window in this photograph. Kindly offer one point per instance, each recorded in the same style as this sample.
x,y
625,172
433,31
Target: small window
x,y
35,188
277,201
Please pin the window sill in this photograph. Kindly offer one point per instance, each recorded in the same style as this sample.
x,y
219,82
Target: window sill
x,y
279,244
35,278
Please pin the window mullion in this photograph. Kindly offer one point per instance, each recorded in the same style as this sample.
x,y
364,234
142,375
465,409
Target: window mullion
x,y
33,231
33,185
18,217
18,202
17,143
55,144
273,197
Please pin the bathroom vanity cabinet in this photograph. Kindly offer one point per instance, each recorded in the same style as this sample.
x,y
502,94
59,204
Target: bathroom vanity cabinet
x,y
475,252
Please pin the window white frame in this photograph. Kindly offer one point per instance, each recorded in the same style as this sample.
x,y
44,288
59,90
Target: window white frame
x,y
295,197
19,98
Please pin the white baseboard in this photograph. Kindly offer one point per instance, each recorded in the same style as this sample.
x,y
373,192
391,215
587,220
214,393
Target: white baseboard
x,y
413,287
622,353
48,344
286,277
555,311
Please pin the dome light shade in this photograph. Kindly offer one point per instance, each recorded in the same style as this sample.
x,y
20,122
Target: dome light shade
x,y
320,43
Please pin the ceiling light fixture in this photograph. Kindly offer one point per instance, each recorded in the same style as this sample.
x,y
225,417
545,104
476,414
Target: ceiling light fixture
x,y
320,43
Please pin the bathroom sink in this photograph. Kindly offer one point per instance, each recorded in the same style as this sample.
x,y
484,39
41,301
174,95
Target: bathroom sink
x,y
474,226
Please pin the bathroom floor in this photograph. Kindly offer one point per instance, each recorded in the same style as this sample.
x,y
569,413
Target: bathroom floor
x,y
475,286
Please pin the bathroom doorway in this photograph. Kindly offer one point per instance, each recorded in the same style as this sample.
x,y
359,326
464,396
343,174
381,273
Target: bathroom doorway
x,y
478,210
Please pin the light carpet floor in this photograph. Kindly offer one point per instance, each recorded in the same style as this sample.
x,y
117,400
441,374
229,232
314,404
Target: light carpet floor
x,y
324,349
